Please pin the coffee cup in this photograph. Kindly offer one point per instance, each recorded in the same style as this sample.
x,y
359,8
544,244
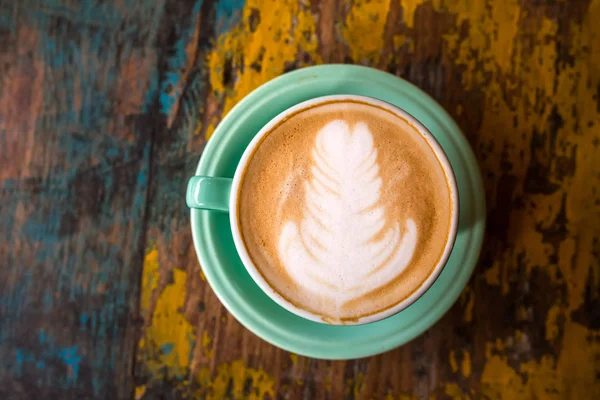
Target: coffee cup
x,y
343,209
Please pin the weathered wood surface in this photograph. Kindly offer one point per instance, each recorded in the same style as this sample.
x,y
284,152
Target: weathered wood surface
x,y
105,107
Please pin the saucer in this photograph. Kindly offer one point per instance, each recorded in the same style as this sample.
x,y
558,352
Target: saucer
x,y
234,286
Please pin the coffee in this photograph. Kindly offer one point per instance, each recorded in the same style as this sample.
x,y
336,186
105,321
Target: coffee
x,y
344,209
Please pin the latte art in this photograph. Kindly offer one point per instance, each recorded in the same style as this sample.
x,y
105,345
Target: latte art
x,y
344,209
342,248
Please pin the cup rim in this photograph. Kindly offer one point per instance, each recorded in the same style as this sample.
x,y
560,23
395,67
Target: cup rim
x,y
253,270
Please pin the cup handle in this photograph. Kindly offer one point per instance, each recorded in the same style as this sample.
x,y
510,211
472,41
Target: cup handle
x,y
208,193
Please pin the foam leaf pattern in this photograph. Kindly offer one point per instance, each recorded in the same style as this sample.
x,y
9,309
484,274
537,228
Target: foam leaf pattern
x,y
343,247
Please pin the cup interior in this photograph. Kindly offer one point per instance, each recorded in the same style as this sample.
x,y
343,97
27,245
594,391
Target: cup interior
x,y
247,156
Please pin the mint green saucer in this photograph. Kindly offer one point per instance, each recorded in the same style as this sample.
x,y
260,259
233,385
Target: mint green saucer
x,y
225,271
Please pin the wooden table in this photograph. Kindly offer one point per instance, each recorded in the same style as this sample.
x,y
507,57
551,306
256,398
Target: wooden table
x,y
105,108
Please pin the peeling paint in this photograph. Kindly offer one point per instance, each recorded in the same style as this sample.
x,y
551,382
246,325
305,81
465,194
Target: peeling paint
x,y
466,364
206,344
255,53
236,381
150,278
139,392
366,16
452,359
468,300
294,358
552,328
166,345
537,86
354,386
455,392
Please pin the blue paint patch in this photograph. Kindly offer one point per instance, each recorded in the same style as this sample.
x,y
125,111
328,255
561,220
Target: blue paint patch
x,y
48,301
42,337
192,343
142,178
42,226
170,91
72,360
57,57
7,216
112,152
13,306
167,348
50,352
171,85
228,13
8,22
151,91
22,357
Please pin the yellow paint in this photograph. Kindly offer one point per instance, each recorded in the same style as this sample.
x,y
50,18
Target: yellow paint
x,y
459,110
409,7
552,322
354,386
231,380
209,131
492,275
500,381
455,392
453,364
364,28
166,344
150,277
522,314
328,379
139,392
203,377
400,396
285,28
468,300
466,364
573,375
492,31
408,11
500,344
206,344
513,65
198,128
294,358
523,84
399,41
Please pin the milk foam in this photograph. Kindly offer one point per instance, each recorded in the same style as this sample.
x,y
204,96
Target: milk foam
x,y
344,209
344,247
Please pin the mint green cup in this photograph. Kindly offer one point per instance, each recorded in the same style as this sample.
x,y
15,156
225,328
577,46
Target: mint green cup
x,y
223,194
249,299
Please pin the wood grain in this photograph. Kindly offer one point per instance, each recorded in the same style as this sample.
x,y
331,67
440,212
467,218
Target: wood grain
x,y
75,147
105,108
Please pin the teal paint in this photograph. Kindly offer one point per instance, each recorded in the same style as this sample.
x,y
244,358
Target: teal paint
x,y
177,61
76,286
228,14
49,353
167,348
